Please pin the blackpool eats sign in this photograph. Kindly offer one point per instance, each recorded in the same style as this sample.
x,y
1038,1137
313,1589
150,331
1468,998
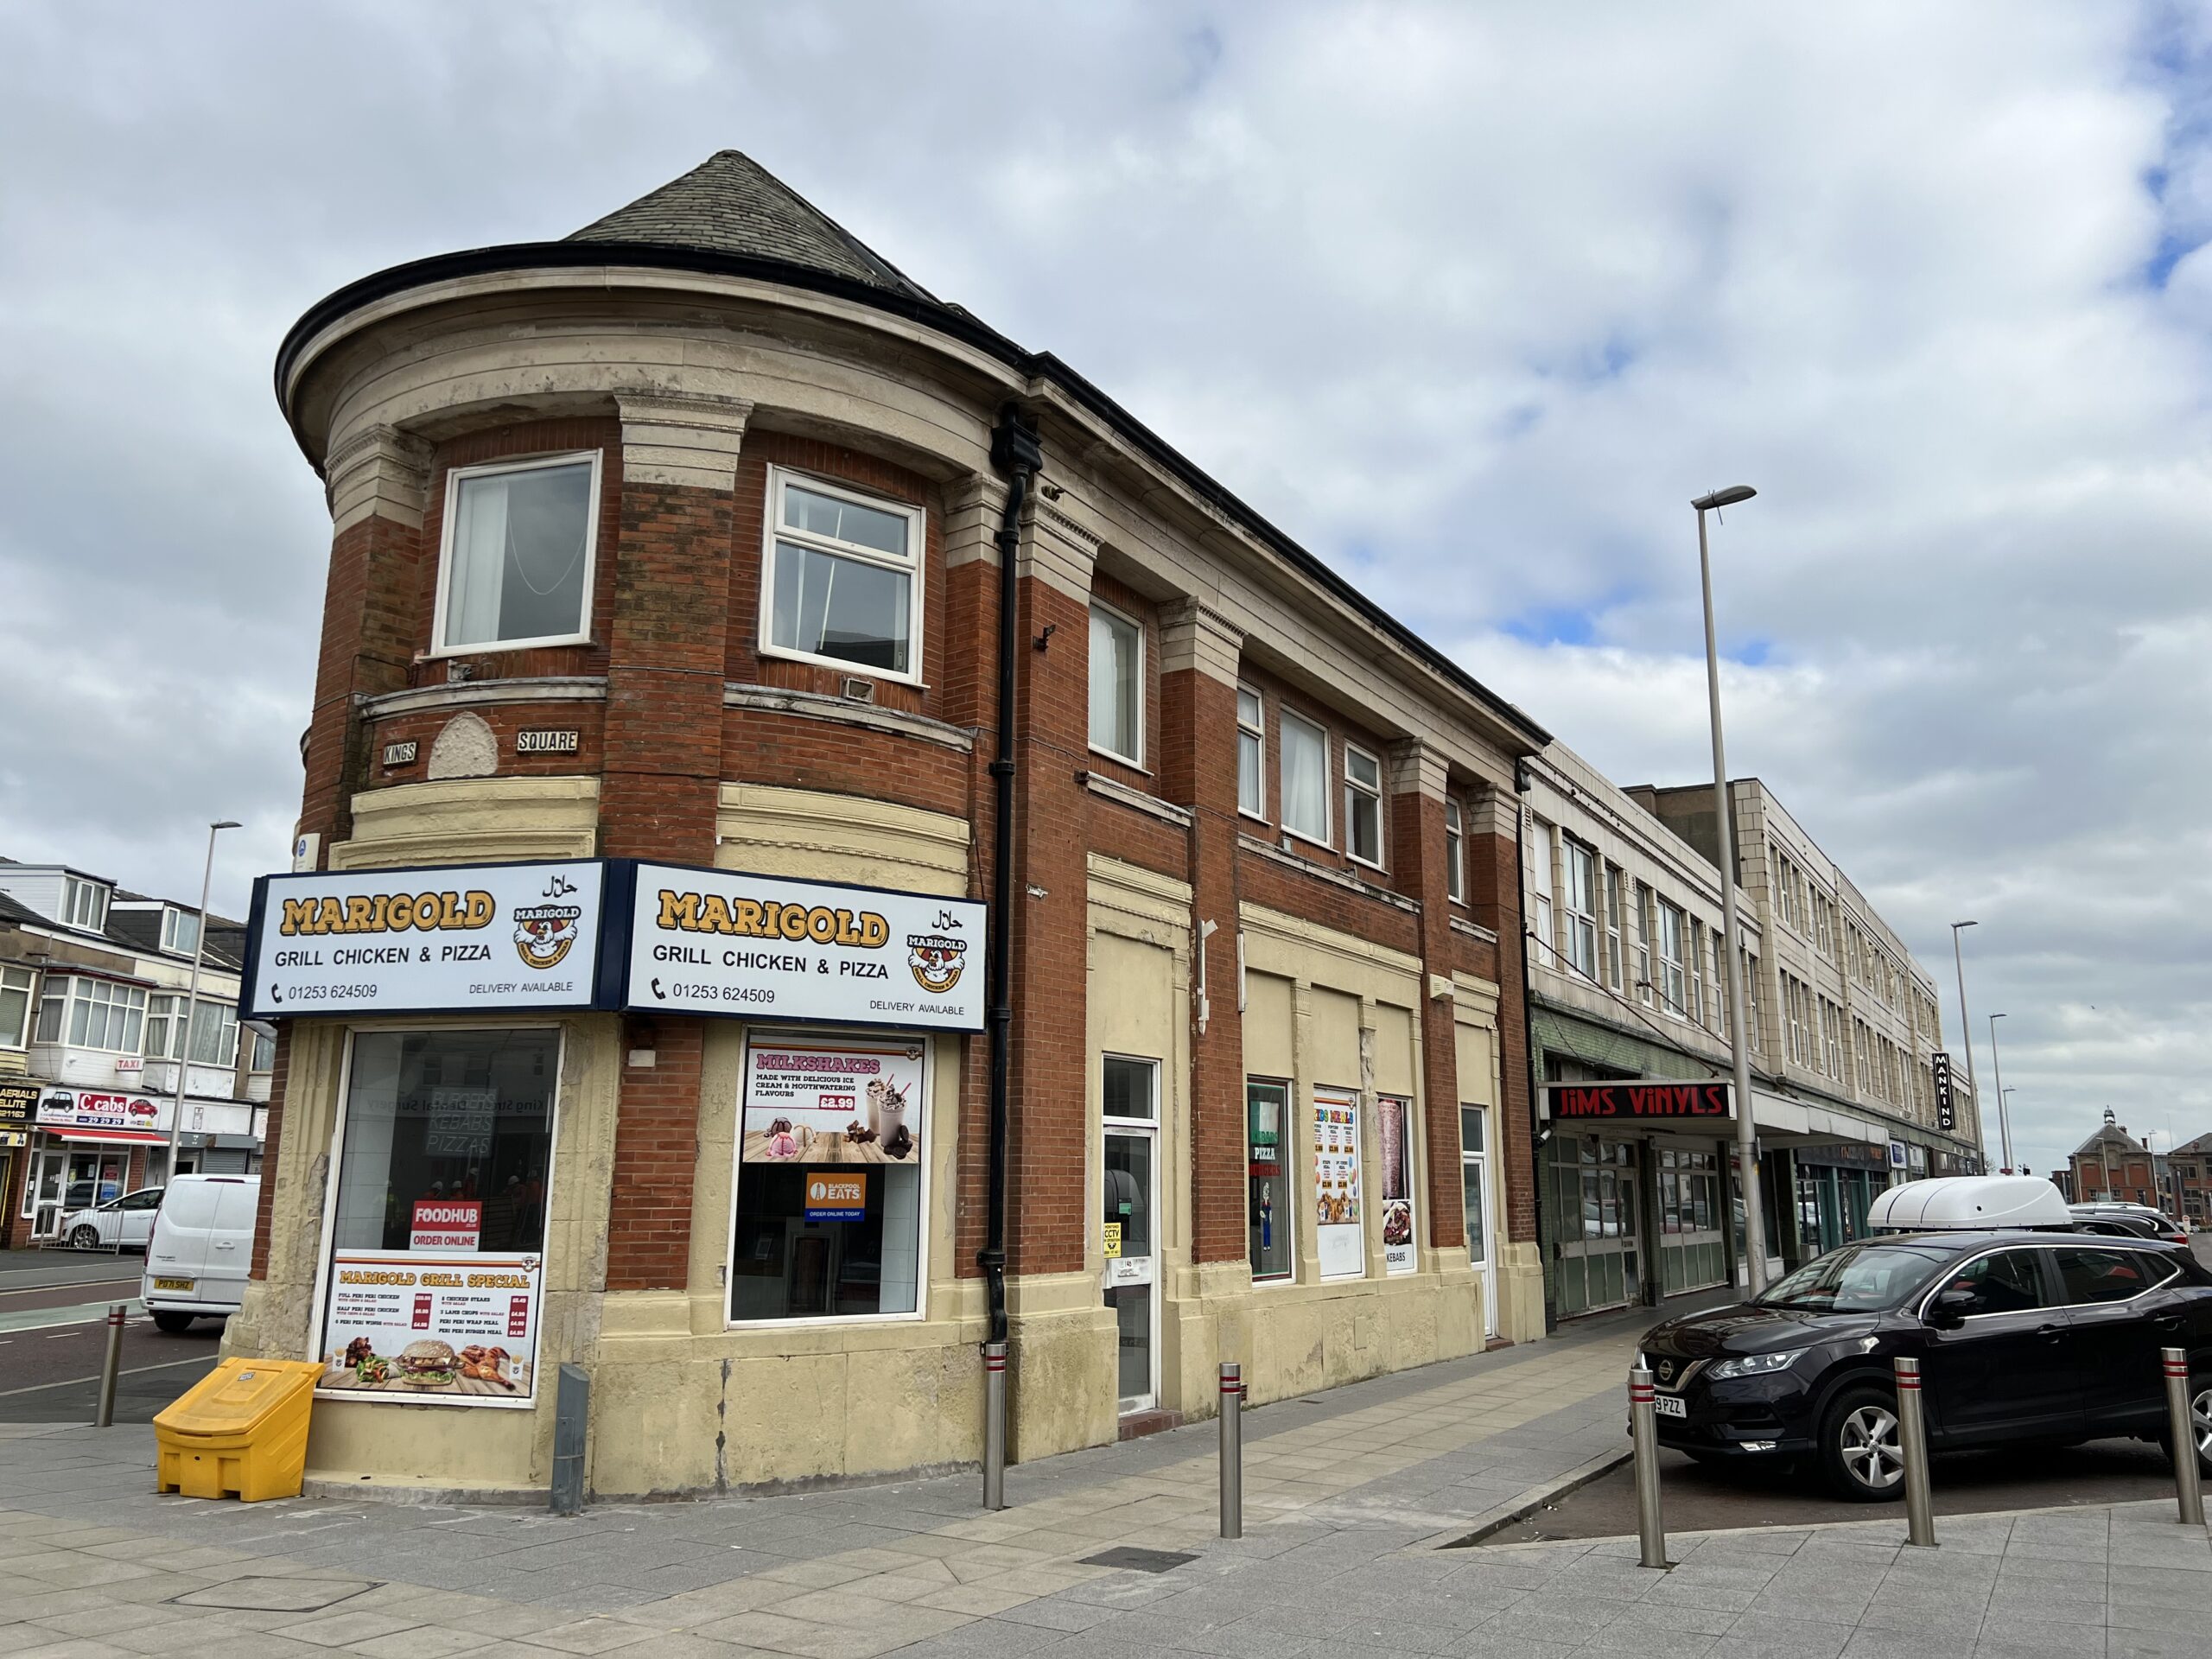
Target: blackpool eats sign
x,y
610,933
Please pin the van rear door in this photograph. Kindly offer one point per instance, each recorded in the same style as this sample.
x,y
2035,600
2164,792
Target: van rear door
x,y
176,1255
230,1249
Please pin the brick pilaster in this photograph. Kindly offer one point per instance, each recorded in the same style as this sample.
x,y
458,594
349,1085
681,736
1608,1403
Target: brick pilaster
x,y
1197,769
1494,885
660,789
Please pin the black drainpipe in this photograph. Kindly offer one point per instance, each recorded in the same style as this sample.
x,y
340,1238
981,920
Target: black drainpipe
x,y
1016,452
1522,783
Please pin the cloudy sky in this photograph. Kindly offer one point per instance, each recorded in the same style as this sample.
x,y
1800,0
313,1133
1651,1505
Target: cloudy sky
x,y
1469,298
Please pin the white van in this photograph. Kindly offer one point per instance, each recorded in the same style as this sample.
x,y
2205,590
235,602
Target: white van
x,y
196,1261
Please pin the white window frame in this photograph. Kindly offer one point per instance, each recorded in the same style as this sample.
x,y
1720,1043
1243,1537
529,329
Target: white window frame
x,y
1674,992
173,919
1256,730
1328,768
120,996
23,980
1355,792
1541,877
454,477
924,1115
1455,852
1580,926
772,528
1616,878
74,890
1138,715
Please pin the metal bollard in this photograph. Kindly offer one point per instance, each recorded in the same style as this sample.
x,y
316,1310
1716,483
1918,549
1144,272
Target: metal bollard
x,y
1912,1442
2189,1483
995,1425
109,1367
1232,1449
1644,1425
571,1421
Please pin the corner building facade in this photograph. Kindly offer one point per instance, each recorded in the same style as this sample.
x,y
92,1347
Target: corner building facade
x,y
680,541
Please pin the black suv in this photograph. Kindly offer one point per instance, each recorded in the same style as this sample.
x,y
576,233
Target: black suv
x,y
2020,1336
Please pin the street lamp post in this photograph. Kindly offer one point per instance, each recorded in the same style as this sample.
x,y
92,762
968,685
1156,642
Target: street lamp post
x,y
1747,1146
192,998
1997,1082
1965,1033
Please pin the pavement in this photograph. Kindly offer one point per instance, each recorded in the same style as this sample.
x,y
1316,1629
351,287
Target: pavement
x,y
1352,1501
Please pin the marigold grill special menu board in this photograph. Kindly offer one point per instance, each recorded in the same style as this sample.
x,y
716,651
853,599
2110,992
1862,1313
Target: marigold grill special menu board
x,y
457,1328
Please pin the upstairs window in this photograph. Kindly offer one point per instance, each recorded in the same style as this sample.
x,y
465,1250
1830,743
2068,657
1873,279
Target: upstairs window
x,y
1304,779
1116,685
215,1031
1539,890
1362,806
14,1007
519,549
1251,755
180,932
1455,855
84,904
1578,866
1673,937
843,584
92,1014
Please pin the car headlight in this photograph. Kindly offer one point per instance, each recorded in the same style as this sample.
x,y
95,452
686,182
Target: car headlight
x,y
1755,1364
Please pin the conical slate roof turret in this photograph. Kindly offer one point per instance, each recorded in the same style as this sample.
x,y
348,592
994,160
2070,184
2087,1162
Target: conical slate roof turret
x,y
730,204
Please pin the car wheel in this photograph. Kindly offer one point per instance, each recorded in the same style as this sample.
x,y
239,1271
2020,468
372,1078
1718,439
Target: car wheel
x,y
86,1237
2200,1417
1861,1452
172,1323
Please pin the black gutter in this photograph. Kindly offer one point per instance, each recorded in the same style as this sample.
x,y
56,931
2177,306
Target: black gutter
x,y
949,320
1016,452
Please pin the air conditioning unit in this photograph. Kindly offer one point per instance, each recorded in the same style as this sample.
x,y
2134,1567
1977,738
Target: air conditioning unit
x,y
859,691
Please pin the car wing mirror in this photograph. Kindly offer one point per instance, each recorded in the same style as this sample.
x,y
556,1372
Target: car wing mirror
x,y
1950,1308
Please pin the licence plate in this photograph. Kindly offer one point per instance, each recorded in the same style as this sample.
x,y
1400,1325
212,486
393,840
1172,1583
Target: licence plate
x,y
1668,1404
184,1285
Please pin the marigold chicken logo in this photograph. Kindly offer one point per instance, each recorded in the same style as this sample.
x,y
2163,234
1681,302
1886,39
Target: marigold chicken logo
x,y
937,960
545,933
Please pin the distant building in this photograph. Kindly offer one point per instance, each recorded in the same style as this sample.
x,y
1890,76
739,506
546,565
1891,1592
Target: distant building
x,y
93,983
2112,1166
2191,1185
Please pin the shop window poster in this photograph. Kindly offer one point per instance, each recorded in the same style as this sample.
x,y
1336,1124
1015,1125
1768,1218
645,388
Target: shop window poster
x,y
1339,1236
817,1101
1393,1118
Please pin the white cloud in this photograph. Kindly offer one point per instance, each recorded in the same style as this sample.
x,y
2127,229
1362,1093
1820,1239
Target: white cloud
x,y
1470,300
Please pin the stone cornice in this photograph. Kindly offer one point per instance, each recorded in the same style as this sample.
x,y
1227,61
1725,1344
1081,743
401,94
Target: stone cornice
x,y
378,473
682,438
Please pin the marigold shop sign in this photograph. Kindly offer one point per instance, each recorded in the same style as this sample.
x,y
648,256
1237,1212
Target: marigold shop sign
x,y
458,1329
1637,1100
723,942
453,938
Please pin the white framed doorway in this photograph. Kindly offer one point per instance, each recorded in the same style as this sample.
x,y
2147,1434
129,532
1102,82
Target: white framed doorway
x,y
1475,1175
1129,1223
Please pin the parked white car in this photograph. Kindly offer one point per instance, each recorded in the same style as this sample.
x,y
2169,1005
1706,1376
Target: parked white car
x,y
125,1223
201,1247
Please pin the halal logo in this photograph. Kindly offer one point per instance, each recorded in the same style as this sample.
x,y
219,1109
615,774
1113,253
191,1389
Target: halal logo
x,y
937,960
545,933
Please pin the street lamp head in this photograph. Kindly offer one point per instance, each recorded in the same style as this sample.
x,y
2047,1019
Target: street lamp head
x,y
1956,926
1728,498
1995,1017
227,824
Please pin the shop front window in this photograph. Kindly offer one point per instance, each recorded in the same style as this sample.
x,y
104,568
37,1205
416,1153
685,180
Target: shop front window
x,y
1268,1208
830,1178
448,1137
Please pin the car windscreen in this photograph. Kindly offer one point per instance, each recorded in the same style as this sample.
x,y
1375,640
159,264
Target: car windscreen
x,y
1858,1277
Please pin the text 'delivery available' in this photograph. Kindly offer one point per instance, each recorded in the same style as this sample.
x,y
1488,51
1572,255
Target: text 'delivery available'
x,y
724,942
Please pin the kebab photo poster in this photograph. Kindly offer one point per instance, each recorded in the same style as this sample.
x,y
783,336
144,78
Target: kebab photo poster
x,y
455,1326
830,1101
1340,1239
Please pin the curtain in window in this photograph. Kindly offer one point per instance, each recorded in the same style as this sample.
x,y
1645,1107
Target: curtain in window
x,y
480,539
1305,780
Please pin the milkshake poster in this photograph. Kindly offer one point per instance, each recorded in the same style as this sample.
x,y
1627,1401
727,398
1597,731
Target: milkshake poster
x,y
817,1101
1339,1236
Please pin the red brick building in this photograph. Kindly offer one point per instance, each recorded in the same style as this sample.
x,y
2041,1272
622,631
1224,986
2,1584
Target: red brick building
x,y
688,540
2112,1166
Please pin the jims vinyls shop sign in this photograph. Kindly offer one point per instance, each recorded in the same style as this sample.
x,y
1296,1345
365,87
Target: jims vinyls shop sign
x,y
1637,1100
611,933
450,939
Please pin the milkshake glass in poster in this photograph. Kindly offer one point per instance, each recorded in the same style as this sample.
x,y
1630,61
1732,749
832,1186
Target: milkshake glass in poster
x,y
458,1329
1340,1237
1392,1118
815,1100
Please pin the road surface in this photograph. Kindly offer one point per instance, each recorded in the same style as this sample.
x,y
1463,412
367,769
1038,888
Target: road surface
x,y
53,1308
